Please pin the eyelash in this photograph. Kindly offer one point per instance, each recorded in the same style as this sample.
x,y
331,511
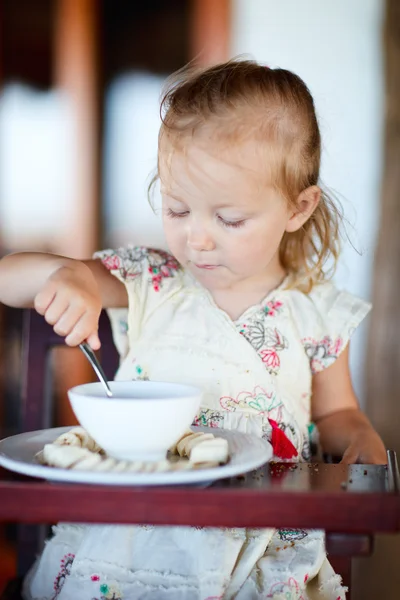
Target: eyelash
x,y
232,224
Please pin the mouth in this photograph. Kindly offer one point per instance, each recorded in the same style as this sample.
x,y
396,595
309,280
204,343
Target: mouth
x,y
207,267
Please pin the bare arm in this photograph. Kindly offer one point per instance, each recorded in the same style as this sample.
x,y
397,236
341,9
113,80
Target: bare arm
x,y
343,428
68,293
23,276
113,292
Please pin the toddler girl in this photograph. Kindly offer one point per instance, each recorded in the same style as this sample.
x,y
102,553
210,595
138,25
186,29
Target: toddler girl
x,y
241,307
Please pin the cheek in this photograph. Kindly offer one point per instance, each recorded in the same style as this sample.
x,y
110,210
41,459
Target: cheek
x,y
174,233
258,243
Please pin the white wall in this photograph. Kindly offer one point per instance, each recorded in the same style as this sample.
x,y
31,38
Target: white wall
x,y
335,46
131,133
36,166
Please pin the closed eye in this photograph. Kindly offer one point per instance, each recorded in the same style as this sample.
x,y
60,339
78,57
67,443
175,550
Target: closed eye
x,y
233,224
176,215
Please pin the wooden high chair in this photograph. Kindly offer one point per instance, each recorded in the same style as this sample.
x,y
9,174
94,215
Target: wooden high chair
x,y
350,503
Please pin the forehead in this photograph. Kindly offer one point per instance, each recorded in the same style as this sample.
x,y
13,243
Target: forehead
x,y
213,166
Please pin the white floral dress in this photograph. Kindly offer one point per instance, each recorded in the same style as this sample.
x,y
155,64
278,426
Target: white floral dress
x,y
256,374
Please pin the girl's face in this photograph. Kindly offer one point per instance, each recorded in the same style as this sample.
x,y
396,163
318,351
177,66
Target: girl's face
x,y
222,222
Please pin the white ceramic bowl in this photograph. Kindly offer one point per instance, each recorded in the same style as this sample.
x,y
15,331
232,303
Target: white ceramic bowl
x,y
142,419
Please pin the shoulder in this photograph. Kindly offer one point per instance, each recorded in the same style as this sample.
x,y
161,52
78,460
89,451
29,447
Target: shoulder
x,y
138,262
325,320
326,303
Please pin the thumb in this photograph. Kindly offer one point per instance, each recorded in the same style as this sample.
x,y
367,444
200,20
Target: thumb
x,y
94,341
350,456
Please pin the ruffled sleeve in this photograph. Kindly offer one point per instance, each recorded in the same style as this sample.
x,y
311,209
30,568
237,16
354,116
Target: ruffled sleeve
x,y
146,273
326,319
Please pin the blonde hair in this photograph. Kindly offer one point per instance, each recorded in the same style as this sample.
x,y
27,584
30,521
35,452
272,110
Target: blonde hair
x,y
274,106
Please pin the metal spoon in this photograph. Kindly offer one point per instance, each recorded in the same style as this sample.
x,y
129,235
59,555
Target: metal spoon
x,y
90,355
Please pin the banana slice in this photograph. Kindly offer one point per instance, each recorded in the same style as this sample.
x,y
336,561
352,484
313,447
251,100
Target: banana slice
x,y
181,465
149,467
183,441
77,436
64,457
192,441
215,450
120,465
88,463
135,466
107,464
77,450
162,466
174,448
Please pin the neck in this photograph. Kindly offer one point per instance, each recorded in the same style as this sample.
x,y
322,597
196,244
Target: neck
x,y
246,293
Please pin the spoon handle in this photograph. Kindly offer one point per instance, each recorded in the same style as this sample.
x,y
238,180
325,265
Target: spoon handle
x,y
90,355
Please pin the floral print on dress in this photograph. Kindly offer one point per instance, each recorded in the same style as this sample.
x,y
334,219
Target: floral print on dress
x,y
65,570
292,535
271,359
140,373
130,263
209,418
272,308
287,590
266,340
107,591
322,353
259,401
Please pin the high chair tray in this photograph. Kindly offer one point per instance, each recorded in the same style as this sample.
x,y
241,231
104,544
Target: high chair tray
x,y
355,499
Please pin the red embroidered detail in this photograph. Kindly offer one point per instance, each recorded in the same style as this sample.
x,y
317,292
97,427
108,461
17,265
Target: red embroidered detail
x,y
288,589
272,307
112,263
95,578
65,570
270,358
281,445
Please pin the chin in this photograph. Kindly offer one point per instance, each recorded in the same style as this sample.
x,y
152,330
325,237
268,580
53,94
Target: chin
x,y
211,280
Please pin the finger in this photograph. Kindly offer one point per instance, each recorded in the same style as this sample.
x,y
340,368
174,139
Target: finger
x,y
56,310
85,327
350,456
94,341
44,298
69,319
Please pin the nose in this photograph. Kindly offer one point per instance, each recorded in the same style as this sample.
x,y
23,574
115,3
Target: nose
x,y
199,238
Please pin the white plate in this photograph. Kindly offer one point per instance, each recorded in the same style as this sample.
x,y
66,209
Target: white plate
x,y
246,452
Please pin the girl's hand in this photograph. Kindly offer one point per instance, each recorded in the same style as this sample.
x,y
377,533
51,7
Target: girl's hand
x,y
70,301
367,448
343,429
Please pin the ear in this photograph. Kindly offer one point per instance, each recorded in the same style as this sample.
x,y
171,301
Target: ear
x,y
306,203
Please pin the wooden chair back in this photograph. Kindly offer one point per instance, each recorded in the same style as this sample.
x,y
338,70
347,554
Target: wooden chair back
x,y
36,411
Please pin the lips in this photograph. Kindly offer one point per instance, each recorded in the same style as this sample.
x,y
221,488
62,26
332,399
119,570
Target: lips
x,y
206,267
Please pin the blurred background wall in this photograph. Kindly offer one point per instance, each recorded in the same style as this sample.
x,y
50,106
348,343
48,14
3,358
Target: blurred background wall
x,y
78,133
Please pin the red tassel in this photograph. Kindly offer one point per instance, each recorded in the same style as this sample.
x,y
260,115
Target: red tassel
x,y
281,445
